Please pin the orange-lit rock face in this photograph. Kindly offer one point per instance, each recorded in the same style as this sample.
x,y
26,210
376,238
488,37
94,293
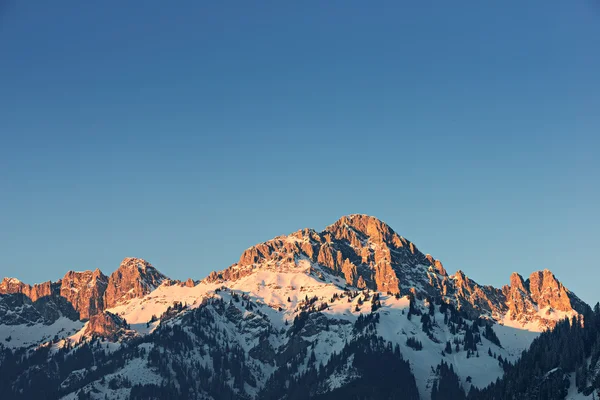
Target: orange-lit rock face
x,y
547,291
363,250
91,292
85,291
106,325
189,283
134,278
35,292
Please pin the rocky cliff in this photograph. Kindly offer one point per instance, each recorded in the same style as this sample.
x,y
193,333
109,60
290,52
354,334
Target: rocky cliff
x,y
13,285
85,291
134,278
106,325
92,292
366,252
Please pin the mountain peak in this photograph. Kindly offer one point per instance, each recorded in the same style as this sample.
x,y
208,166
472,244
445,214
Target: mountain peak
x,y
363,250
547,291
135,277
7,283
359,229
13,285
367,225
133,262
517,281
356,218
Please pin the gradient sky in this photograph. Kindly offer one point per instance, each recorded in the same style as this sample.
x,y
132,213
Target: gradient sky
x,y
185,132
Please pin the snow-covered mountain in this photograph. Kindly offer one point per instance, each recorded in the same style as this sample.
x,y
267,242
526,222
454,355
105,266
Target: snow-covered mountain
x,y
312,310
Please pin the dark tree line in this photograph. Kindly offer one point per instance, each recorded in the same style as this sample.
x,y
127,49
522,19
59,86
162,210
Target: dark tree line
x,y
381,371
447,385
542,372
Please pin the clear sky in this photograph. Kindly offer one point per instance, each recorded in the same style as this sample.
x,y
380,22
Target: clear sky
x,y
184,132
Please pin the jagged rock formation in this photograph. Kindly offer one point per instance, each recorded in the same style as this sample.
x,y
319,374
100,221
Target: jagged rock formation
x,y
85,291
91,292
13,285
535,299
108,326
134,278
474,299
188,283
362,249
547,291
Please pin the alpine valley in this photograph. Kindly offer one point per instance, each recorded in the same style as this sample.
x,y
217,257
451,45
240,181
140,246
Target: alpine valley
x,y
355,312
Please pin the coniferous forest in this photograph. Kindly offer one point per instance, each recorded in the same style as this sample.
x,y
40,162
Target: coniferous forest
x,y
546,369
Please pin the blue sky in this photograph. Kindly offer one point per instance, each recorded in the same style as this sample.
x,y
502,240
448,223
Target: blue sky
x,y
185,134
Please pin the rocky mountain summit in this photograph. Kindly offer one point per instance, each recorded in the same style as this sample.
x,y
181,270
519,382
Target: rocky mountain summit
x,y
367,253
134,278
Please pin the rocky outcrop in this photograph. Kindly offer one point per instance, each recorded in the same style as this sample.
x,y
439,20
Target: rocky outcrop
x,y
92,292
189,283
475,300
13,285
85,291
547,291
40,303
134,278
518,299
108,326
538,298
386,261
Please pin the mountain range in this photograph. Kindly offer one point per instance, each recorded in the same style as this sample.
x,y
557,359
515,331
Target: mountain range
x,y
355,310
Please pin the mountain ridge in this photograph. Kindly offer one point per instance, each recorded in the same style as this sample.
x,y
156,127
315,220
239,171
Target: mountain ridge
x,y
303,304
362,249
91,292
